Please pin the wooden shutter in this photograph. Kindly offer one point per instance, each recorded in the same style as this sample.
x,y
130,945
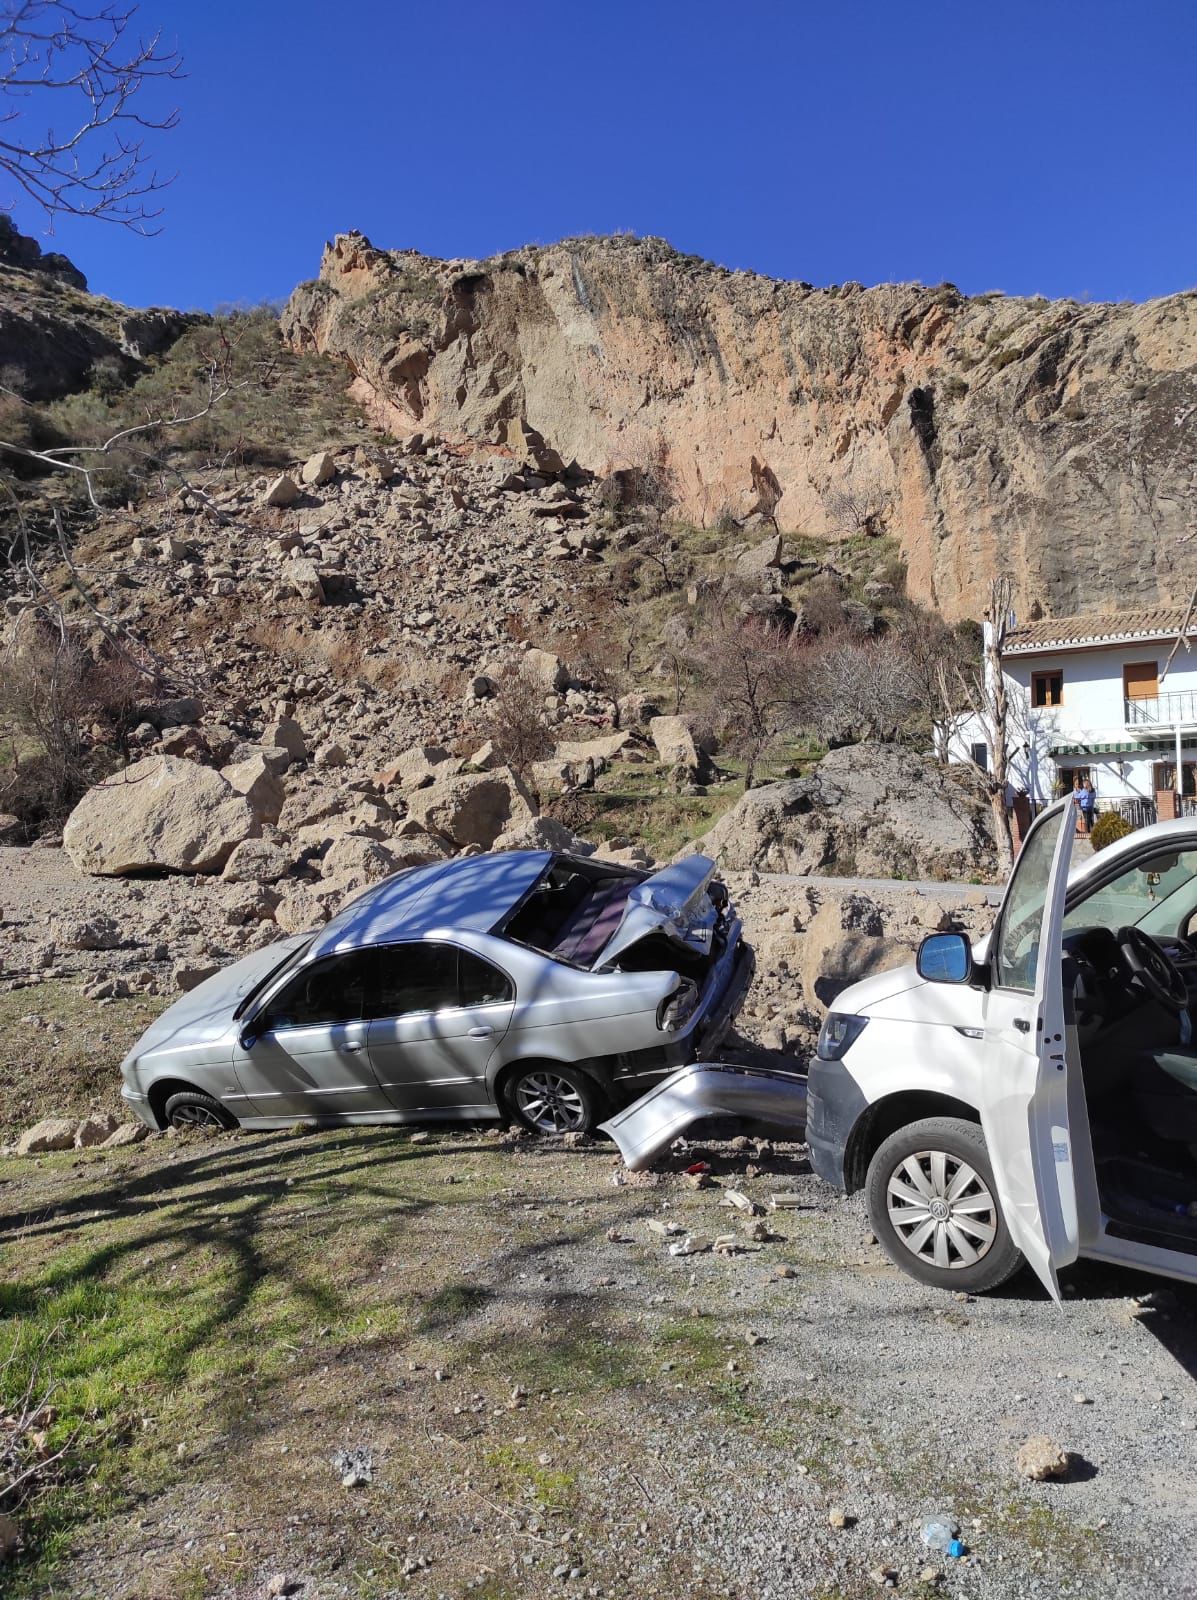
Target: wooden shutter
x,y
1140,680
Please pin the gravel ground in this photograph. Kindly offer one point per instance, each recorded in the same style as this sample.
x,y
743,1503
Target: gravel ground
x,y
578,1412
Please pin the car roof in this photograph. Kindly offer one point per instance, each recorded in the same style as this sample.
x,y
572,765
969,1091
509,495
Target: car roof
x,y
470,894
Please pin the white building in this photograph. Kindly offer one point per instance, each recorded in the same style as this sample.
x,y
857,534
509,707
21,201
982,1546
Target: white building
x,y
1088,698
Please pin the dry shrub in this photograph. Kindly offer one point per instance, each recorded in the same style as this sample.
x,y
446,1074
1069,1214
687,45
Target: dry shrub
x,y
64,711
516,725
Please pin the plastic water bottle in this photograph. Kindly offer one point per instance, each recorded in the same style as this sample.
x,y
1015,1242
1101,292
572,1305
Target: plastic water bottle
x,y
939,1533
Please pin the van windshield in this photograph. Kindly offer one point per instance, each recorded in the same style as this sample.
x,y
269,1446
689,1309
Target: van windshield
x,y
1157,895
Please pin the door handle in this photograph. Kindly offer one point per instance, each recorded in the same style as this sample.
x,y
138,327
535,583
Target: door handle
x,y
480,1033
1022,1024
353,1045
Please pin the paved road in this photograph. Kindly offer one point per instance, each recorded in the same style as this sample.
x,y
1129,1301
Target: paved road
x,y
990,893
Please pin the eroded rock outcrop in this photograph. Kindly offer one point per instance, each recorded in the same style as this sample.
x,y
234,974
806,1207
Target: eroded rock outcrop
x,y
869,810
986,434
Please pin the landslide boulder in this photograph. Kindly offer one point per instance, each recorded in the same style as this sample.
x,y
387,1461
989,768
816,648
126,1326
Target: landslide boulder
x,y
470,808
161,814
869,810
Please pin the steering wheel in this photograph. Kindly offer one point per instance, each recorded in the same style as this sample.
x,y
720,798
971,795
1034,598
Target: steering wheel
x,y
1155,972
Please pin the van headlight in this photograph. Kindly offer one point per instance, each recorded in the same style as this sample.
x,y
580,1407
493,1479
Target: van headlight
x,y
839,1033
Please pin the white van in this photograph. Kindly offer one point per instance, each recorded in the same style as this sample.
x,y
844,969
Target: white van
x,y
1034,1097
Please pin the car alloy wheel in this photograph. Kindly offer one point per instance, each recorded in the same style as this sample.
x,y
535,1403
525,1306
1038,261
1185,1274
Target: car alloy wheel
x,y
194,1116
941,1209
550,1103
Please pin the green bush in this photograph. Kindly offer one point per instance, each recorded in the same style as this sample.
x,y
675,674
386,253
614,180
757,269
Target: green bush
x,y
1108,827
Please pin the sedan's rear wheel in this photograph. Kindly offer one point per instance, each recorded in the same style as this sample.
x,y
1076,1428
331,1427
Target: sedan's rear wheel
x,y
552,1099
934,1207
189,1109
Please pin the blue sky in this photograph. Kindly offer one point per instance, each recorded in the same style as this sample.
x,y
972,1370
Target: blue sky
x,y
1036,148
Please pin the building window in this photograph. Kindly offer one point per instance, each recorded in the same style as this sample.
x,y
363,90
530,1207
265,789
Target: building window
x,y
980,755
1047,688
1140,680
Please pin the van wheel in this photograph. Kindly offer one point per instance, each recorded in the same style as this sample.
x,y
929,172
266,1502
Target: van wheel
x,y
553,1099
197,1112
934,1206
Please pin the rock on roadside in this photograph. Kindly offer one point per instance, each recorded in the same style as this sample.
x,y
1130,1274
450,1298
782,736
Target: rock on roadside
x,y
162,813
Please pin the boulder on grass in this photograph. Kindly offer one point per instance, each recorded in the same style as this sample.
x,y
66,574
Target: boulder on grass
x,y
52,1133
162,814
93,1130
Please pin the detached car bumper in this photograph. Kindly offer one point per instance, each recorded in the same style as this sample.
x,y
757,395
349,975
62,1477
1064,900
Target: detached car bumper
x,y
704,1089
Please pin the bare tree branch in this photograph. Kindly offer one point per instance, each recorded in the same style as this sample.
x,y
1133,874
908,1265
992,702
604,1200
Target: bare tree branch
x,y
99,166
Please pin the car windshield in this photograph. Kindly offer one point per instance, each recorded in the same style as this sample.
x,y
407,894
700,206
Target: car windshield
x,y
1157,895
285,966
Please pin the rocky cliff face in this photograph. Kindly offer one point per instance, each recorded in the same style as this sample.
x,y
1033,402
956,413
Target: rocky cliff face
x,y
1049,438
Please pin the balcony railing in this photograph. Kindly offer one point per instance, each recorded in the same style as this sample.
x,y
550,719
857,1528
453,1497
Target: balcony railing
x,y
1173,708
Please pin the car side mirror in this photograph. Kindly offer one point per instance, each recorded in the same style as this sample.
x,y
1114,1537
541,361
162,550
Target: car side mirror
x,y
945,958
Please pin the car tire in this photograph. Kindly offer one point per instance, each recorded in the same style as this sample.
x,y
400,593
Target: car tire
x,y
196,1112
933,1203
548,1098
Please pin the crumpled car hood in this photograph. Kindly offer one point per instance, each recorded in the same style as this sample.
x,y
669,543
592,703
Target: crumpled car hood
x,y
673,902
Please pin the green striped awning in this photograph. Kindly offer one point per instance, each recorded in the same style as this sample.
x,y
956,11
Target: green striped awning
x,y
1096,750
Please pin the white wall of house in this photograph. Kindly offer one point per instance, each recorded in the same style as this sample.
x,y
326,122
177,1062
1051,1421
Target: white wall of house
x,y
1092,713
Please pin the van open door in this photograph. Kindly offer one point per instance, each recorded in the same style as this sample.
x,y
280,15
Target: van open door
x,y
1024,1092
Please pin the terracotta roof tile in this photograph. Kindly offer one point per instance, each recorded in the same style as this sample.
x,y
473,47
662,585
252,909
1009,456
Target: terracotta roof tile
x,y
1097,627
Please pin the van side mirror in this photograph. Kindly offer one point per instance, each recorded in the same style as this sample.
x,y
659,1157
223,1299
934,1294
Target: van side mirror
x,y
945,958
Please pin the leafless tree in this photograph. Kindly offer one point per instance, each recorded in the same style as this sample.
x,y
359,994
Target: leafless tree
x,y
92,67
860,504
751,674
932,646
516,725
981,691
853,688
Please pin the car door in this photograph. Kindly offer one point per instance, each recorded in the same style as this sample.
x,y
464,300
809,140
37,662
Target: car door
x,y
437,1012
304,1053
1024,1090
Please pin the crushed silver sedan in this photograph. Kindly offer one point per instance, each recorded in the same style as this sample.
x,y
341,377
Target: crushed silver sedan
x,y
546,986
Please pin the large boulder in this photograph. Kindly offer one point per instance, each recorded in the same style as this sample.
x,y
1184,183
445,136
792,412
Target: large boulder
x,y
471,807
869,810
52,1133
414,767
255,778
161,814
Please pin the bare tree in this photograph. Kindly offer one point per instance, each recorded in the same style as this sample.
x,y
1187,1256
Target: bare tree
x,y
982,692
751,673
853,688
92,66
516,725
932,646
861,504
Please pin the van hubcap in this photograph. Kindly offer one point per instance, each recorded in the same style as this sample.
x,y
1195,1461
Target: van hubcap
x,y
550,1103
941,1209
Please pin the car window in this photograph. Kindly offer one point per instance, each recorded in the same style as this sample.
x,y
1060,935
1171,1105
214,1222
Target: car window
x,y
327,992
1016,954
480,983
1157,895
406,978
